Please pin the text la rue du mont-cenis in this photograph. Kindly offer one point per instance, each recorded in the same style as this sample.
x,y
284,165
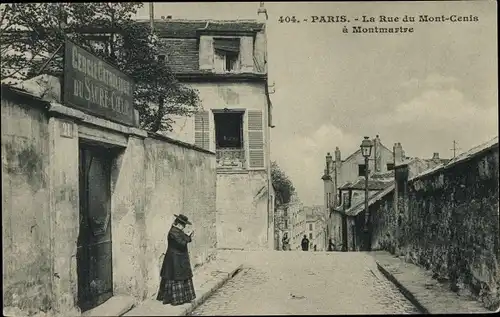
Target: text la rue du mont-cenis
x,y
364,23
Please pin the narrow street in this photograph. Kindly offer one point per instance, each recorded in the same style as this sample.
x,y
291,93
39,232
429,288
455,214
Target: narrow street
x,y
297,282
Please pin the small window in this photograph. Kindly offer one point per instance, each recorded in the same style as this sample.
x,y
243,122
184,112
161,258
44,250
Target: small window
x,y
229,130
310,236
390,166
231,60
310,227
361,170
227,52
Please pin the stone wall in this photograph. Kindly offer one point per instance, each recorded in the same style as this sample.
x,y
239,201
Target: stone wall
x,y
27,264
447,221
152,178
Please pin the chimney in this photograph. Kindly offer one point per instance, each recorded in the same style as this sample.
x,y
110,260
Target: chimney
x,y
338,159
262,13
329,164
377,157
435,157
398,153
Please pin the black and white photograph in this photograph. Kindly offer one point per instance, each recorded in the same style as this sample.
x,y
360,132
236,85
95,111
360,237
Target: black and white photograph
x,y
250,158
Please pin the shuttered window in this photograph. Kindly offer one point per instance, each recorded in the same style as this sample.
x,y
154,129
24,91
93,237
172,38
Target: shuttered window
x,y
255,140
201,130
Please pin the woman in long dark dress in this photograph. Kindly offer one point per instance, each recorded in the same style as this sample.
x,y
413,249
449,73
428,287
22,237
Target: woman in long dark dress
x,y
176,285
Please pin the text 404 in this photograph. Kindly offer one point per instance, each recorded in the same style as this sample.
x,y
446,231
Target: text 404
x,y
288,19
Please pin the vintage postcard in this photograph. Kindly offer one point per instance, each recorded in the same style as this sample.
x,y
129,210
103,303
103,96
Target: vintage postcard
x,y
250,158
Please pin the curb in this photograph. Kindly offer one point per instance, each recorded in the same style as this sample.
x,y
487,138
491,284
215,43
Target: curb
x,y
403,289
200,300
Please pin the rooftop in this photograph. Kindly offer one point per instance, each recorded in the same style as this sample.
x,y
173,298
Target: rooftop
x,y
184,28
462,157
373,184
356,209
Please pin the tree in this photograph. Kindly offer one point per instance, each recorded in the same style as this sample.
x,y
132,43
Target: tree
x,y
32,32
283,186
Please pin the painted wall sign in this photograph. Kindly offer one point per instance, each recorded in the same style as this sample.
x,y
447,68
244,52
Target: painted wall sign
x,y
94,86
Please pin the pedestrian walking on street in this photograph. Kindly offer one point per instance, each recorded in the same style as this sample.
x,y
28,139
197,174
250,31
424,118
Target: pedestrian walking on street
x,y
286,242
176,285
331,245
315,248
305,243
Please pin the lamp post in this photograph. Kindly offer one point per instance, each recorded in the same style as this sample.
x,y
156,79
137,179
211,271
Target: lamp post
x,y
366,150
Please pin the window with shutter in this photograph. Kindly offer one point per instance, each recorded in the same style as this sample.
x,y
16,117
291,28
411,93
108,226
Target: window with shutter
x,y
255,140
201,130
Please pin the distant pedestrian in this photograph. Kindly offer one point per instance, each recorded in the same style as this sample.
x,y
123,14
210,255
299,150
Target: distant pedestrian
x,y
286,242
315,248
176,285
305,243
331,245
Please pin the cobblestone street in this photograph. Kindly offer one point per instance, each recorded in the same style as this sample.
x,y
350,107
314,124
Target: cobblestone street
x,y
307,283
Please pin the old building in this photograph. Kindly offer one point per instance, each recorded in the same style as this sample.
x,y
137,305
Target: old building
x,y
297,222
316,227
226,61
340,172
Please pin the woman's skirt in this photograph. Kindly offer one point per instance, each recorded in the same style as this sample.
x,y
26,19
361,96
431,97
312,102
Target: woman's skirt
x,y
176,292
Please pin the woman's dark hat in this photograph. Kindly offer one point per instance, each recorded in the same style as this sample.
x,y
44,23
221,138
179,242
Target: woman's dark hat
x,y
182,219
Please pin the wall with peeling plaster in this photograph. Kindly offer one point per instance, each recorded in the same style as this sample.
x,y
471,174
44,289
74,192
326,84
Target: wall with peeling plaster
x,y
242,219
178,180
152,179
448,222
25,207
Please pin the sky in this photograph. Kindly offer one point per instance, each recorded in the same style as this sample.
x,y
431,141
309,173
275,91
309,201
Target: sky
x,y
423,89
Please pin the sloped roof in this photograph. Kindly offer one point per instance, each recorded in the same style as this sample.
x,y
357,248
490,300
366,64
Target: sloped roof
x,y
384,175
359,150
183,28
178,39
356,209
373,184
462,157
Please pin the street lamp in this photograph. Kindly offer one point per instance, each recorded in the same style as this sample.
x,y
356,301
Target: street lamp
x,y
366,151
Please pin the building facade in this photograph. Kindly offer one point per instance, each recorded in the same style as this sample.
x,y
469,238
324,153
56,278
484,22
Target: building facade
x,y
226,61
316,231
340,172
351,210
297,222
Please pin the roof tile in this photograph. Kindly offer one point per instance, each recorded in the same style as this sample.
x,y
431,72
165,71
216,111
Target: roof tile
x,y
179,28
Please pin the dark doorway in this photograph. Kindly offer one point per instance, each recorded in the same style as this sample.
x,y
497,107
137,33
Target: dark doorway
x,y
94,246
353,230
344,234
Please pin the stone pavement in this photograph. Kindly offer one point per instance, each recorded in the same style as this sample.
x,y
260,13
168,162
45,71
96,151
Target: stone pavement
x,y
422,290
207,279
297,282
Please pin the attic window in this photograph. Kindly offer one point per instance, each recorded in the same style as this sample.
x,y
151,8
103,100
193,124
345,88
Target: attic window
x,y
227,51
227,45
